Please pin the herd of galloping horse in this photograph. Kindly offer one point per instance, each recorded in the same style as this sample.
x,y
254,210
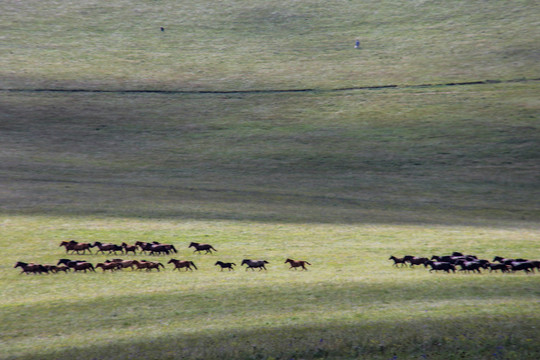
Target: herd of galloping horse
x,y
154,248
468,263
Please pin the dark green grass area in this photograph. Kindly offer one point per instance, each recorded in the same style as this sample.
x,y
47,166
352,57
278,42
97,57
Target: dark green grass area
x,y
441,155
449,338
465,318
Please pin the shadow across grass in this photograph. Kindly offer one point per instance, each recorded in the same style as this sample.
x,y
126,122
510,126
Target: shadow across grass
x,y
471,319
475,337
465,156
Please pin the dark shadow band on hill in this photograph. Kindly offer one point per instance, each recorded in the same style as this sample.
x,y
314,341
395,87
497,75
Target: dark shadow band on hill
x,y
425,332
269,91
477,337
128,200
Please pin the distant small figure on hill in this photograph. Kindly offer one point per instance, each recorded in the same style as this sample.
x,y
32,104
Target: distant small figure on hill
x,y
357,44
162,28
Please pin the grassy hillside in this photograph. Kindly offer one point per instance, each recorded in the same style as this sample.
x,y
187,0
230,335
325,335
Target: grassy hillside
x,y
264,44
439,155
339,175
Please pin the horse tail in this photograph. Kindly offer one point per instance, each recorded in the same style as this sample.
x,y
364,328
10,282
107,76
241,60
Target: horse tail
x,y
163,266
174,249
308,263
192,263
211,247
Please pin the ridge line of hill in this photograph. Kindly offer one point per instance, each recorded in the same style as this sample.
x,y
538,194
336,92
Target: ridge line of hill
x,y
270,91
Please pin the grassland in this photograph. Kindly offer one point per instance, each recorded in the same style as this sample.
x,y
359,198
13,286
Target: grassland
x,y
341,178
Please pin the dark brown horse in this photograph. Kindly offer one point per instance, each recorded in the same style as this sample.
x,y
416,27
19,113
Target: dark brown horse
x,y
202,247
83,266
143,245
63,268
31,268
297,263
122,264
129,248
68,245
108,247
225,265
156,248
148,265
73,246
162,248
52,268
180,264
113,266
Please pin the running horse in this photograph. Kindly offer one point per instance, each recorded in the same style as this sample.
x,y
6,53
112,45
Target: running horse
x,y
148,265
129,248
76,246
31,268
202,247
253,264
113,266
107,247
297,263
83,266
179,264
225,265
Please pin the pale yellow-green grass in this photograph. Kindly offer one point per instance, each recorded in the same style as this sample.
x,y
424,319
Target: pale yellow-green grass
x,y
351,292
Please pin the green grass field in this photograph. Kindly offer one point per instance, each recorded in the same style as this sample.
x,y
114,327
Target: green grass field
x,y
217,147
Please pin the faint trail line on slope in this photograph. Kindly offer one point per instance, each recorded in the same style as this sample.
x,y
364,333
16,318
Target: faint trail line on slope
x,y
268,91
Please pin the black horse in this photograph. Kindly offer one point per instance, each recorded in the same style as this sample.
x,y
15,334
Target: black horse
x,y
526,266
507,261
253,264
415,260
467,266
70,263
225,265
437,265
397,261
498,266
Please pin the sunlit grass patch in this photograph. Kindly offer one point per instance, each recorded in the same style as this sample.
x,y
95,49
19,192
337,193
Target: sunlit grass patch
x,y
350,302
